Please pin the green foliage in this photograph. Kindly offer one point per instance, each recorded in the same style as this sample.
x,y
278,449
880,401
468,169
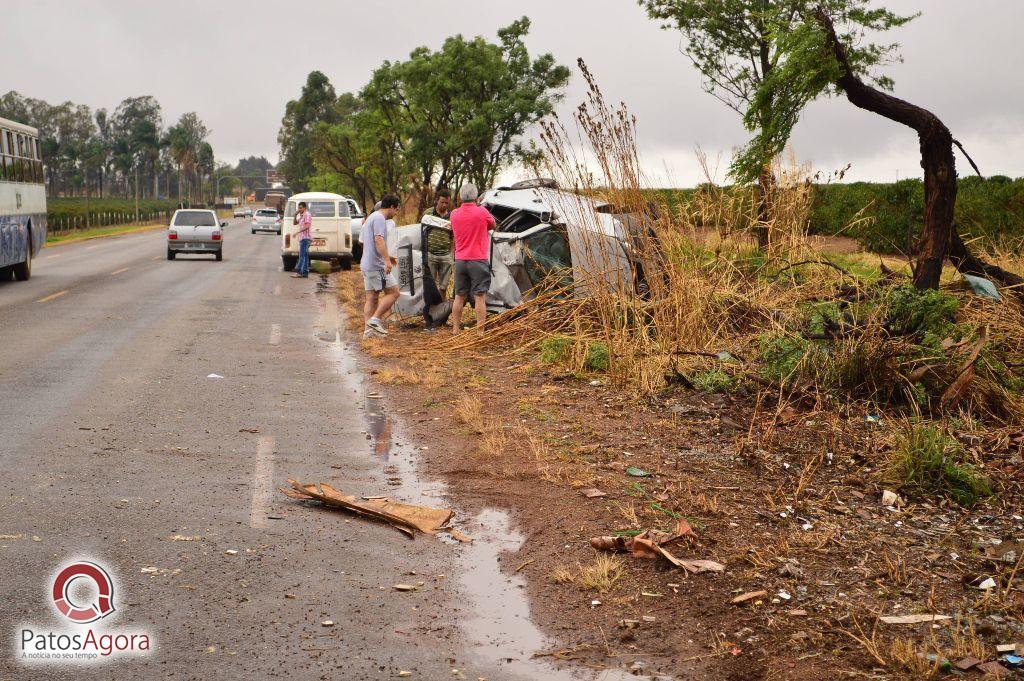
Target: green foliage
x,y
783,356
764,60
925,460
61,210
316,104
440,117
597,358
714,381
931,314
887,218
555,349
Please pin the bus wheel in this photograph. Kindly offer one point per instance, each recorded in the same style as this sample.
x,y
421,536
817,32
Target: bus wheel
x,y
23,270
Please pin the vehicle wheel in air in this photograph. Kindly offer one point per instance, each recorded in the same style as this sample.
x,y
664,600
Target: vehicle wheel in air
x,y
170,254
288,263
346,264
220,255
23,270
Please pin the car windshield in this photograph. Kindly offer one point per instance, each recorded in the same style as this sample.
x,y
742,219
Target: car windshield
x,y
195,218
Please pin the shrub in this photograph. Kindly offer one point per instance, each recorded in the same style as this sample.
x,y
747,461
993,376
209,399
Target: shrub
x,y
925,460
555,349
597,357
714,381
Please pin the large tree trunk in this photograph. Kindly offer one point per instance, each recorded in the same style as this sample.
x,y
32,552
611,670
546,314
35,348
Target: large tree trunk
x,y
936,159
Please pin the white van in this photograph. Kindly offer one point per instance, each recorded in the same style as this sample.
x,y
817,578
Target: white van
x,y
332,231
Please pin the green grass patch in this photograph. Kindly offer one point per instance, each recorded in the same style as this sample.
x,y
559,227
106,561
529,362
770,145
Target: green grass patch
x,y
555,349
714,381
598,358
926,461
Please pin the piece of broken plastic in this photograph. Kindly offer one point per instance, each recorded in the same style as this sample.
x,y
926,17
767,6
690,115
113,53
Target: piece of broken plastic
x,y
637,472
982,287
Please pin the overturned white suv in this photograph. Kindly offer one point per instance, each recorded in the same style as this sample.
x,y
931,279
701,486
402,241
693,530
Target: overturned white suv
x,y
542,234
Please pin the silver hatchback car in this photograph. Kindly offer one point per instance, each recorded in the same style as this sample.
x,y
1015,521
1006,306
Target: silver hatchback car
x,y
266,220
195,231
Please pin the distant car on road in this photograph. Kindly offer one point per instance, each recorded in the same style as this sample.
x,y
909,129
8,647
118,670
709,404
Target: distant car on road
x,y
195,231
266,220
239,212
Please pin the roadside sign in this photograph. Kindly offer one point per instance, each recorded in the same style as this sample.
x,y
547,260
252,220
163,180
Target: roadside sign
x,y
274,176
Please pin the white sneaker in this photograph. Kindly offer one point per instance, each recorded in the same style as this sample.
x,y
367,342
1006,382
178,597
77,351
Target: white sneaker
x,y
377,326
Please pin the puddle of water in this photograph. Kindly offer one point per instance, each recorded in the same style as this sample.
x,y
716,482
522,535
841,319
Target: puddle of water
x,y
498,629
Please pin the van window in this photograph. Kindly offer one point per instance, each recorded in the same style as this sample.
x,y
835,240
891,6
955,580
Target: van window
x,y
195,218
321,209
343,211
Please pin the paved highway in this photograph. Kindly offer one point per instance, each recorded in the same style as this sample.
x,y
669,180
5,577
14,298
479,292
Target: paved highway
x,y
116,446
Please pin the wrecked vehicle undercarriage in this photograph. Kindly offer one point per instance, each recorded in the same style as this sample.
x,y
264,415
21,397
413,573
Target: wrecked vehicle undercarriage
x,y
544,235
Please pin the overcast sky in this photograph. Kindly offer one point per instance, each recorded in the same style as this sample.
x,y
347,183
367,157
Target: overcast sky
x,y
236,63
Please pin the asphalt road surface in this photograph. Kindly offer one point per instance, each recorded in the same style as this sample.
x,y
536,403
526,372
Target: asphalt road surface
x,y
116,446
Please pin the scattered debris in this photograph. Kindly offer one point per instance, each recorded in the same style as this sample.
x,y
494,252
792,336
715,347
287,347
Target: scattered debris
x,y
594,603
10,537
248,430
987,583
524,564
405,587
912,619
791,568
459,536
966,663
593,493
150,570
637,472
890,498
214,376
629,624
993,668
231,552
403,673
982,287
181,537
749,596
406,518
327,623
651,544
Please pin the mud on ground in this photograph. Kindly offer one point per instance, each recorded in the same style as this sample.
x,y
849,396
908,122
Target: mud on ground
x,y
792,507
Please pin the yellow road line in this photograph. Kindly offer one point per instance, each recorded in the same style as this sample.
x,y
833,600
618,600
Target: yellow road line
x,y
50,297
123,269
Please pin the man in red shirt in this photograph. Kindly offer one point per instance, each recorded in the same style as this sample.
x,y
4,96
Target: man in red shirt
x,y
471,227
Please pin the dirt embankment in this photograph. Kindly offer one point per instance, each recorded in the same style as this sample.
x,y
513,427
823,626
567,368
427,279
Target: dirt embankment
x,y
793,509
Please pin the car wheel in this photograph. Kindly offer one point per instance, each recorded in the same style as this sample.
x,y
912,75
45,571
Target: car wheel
x,y
288,262
23,270
254,231
346,264
170,254
220,255
279,232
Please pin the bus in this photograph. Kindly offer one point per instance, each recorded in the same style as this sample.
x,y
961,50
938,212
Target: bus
x,y
22,200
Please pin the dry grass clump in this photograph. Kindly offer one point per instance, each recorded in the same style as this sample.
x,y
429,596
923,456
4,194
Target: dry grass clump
x,y
602,575
398,376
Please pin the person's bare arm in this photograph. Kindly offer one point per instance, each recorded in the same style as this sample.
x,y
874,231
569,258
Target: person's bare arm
x,y
382,250
295,220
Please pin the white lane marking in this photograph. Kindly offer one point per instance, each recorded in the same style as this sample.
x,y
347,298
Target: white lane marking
x,y
277,290
123,269
50,297
275,334
262,482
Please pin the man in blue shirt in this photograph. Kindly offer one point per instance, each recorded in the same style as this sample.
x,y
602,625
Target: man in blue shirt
x,y
376,265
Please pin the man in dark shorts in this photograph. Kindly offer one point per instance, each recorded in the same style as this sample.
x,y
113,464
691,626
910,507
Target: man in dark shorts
x,y
471,227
